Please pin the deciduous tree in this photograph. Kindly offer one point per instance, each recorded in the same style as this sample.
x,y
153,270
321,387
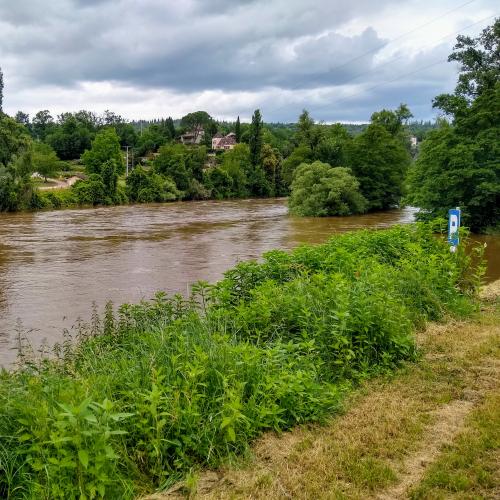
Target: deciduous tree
x,y
105,147
321,190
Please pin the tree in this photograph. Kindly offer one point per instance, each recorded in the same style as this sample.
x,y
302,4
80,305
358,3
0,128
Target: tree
x,y
255,138
45,160
23,119
479,60
308,133
302,154
332,148
150,187
380,163
169,124
237,130
392,121
42,124
151,139
16,165
105,147
91,191
321,190
112,119
70,138
14,139
271,163
219,182
459,163
109,177
127,134
236,163
196,122
172,162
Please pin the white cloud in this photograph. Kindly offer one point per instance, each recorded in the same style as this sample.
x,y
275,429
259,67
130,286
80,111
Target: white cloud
x,y
155,58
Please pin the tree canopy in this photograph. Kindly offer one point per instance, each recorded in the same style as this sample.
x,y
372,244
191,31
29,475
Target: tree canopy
x,y
459,163
380,162
105,147
321,190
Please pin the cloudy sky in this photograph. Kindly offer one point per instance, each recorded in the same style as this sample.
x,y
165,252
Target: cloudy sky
x,y
341,59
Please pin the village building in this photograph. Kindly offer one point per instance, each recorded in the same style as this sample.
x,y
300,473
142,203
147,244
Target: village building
x,y
194,136
221,142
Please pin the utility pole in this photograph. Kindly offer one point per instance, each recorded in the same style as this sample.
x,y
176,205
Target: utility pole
x,y
126,175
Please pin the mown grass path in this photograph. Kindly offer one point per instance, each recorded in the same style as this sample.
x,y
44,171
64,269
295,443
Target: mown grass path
x,y
428,431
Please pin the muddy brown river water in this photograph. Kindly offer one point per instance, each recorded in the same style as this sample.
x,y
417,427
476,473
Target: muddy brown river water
x,y
53,265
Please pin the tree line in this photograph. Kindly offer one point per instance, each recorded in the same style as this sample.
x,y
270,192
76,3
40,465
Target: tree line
x,y
262,163
325,169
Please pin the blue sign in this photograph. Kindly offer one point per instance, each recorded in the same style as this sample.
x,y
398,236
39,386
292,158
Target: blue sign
x,y
453,226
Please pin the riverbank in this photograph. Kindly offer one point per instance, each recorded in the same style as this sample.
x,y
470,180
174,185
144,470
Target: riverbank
x,y
55,264
428,431
141,398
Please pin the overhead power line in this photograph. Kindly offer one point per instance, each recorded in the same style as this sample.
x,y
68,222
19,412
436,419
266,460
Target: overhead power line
x,y
399,37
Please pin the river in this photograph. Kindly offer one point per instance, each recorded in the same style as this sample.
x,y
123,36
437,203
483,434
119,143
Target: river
x,y
53,265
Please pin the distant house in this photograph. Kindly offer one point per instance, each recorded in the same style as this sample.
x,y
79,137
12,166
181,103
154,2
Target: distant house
x,y
216,140
194,136
221,142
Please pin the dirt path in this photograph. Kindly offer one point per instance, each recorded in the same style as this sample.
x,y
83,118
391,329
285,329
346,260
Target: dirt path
x,y
59,184
394,430
449,422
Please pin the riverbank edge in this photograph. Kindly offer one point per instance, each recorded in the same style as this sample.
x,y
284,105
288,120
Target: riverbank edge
x,y
428,431
76,206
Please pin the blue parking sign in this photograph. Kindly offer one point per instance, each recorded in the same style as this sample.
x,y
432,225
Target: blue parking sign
x,y
453,226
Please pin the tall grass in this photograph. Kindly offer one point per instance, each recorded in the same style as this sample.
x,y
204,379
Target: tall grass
x,y
144,395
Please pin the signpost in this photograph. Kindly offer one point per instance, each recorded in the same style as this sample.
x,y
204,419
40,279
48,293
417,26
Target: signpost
x,y
453,228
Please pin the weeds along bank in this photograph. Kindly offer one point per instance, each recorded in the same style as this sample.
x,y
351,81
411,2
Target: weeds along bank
x,y
148,394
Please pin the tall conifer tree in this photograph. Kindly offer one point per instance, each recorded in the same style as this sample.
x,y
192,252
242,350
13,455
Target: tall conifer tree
x,y
237,130
255,140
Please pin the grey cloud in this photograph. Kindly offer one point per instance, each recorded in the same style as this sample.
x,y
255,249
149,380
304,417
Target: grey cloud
x,y
178,49
191,46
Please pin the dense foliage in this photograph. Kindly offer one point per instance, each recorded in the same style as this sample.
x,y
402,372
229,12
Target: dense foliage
x,y
459,164
16,166
146,395
262,163
320,190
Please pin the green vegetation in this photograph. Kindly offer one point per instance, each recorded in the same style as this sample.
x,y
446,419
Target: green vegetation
x,y
144,396
45,160
319,190
469,466
105,148
459,164
16,165
378,158
456,165
427,431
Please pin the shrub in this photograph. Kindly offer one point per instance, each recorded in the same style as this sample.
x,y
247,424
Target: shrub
x,y
144,396
320,190
91,191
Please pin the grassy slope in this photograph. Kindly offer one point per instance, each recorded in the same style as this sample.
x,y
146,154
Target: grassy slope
x,y
427,432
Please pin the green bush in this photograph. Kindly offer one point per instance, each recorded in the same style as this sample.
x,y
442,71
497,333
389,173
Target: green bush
x,y
57,198
140,398
320,190
91,191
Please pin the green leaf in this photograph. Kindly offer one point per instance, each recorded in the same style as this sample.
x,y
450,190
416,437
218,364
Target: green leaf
x,y
84,458
231,434
225,422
